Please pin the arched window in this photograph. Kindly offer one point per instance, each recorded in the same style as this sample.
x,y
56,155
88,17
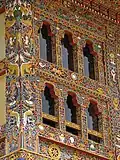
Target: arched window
x,y
70,109
72,112
45,42
67,52
93,116
49,102
90,61
94,121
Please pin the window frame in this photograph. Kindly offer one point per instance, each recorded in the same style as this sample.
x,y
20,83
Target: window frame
x,y
54,118
74,52
91,52
92,132
70,124
53,40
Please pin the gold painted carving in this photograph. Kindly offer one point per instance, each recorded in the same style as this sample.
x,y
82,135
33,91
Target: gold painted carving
x,y
13,69
118,157
26,68
116,103
50,117
54,152
72,125
95,133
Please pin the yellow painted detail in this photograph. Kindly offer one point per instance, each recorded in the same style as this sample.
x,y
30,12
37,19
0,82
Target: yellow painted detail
x,y
2,36
2,100
13,69
54,152
25,68
118,158
116,103
2,78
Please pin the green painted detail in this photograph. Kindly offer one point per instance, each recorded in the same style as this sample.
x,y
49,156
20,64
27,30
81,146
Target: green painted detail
x,y
17,13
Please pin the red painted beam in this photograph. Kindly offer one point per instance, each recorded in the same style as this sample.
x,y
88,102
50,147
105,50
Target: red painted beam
x,y
2,10
2,72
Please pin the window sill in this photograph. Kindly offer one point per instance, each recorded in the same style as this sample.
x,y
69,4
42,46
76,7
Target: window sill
x,y
72,125
95,133
50,117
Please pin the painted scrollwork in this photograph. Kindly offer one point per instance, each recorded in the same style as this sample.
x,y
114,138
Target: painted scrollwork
x,y
19,15
28,118
28,94
13,91
54,152
113,74
14,119
22,51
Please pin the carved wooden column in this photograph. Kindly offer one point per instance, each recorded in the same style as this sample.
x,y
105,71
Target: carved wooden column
x,y
99,67
41,86
20,86
106,124
104,63
75,53
37,28
79,113
80,45
84,124
59,36
62,116
54,40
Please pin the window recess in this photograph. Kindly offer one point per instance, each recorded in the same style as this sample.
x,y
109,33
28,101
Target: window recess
x,y
46,42
72,114
69,57
49,106
90,61
94,120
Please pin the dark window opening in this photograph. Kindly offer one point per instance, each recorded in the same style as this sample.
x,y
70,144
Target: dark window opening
x,y
48,102
67,53
70,110
92,117
45,43
49,122
94,138
2,147
89,63
72,130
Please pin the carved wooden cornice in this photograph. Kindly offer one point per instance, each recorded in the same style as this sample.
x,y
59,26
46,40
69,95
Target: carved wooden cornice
x,y
115,4
107,9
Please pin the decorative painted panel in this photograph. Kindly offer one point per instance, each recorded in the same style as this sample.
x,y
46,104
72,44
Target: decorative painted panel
x,y
27,75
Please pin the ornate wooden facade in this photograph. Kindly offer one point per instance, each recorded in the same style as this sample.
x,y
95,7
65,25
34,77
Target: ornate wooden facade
x,y
25,136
